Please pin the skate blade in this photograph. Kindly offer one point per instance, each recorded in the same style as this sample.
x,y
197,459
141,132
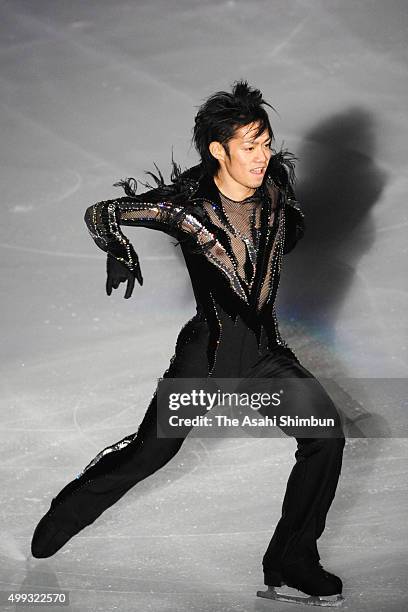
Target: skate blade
x,y
324,601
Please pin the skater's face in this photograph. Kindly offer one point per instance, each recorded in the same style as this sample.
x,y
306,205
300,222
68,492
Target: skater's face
x,y
246,157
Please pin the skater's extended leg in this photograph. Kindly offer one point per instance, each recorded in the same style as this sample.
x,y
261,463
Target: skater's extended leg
x,y
120,466
106,479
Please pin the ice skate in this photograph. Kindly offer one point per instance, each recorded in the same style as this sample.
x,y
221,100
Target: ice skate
x,y
288,595
71,511
52,533
315,586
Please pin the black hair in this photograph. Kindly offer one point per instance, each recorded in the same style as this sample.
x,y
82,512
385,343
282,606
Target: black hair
x,y
222,114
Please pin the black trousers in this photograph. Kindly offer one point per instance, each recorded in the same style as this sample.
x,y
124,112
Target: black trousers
x,y
312,483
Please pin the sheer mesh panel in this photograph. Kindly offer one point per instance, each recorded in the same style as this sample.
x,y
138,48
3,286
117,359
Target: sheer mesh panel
x,y
271,270
240,221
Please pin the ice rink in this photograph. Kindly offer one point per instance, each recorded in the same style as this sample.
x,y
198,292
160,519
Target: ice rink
x,y
92,92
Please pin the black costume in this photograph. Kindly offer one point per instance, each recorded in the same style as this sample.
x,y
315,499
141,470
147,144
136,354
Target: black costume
x,y
233,252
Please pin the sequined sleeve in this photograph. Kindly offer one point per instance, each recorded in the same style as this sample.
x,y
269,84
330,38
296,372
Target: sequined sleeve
x,y
294,223
104,219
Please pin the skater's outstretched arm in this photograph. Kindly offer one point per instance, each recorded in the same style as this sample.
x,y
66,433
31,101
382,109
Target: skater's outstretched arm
x,y
104,219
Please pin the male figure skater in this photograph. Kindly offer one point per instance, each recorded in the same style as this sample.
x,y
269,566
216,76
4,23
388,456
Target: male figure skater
x,y
235,216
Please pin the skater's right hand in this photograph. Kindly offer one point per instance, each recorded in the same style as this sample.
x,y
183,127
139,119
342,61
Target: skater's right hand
x,y
118,272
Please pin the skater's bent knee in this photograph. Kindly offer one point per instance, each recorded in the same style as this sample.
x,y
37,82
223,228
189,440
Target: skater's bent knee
x,y
309,446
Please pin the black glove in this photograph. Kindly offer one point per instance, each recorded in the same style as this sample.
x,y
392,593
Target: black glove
x,y
118,272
